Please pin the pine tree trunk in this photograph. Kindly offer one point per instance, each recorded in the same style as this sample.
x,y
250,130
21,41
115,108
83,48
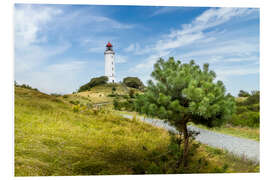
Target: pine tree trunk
x,y
186,139
179,148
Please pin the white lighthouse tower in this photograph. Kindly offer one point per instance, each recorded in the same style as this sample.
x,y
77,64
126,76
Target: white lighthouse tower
x,y
109,63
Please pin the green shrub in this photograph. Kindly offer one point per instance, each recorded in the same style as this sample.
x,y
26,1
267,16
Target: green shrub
x,y
254,107
76,108
131,93
112,95
25,86
125,96
113,89
93,82
74,102
249,118
133,82
243,93
154,169
116,104
241,109
55,94
254,98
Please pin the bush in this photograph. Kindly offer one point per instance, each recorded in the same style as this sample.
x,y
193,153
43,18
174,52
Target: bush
x,y
93,82
25,86
243,93
76,108
112,95
241,109
74,102
254,107
131,93
116,104
55,94
254,98
133,82
250,119
127,105
248,111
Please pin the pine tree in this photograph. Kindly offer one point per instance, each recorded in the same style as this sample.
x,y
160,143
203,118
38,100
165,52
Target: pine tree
x,y
182,93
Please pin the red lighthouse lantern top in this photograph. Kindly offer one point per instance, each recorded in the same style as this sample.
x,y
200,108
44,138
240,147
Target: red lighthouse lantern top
x,y
109,44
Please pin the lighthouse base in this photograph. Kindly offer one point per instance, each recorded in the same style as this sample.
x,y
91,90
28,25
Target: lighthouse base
x,y
111,79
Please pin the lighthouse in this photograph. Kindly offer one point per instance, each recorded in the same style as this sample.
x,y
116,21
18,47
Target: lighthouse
x,y
109,63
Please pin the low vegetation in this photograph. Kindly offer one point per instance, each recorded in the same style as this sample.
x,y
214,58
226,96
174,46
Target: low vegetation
x,y
56,137
133,82
93,82
26,86
247,111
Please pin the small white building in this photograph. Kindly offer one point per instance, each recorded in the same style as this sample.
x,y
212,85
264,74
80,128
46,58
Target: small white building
x,y
109,63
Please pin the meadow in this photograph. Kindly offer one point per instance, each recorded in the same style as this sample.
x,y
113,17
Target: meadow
x,y
52,138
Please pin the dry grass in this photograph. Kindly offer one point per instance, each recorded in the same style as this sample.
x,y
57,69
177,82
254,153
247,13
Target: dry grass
x,y
52,139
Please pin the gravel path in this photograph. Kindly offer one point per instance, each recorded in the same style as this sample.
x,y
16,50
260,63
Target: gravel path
x,y
239,146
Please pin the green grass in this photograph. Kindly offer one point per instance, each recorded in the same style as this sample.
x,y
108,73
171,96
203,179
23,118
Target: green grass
x,y
243,132
52,139
221,161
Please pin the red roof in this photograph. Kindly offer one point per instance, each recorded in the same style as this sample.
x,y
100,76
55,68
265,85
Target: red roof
x,y
109,44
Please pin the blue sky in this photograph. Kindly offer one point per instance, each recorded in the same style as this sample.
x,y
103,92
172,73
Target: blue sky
x,y
60,47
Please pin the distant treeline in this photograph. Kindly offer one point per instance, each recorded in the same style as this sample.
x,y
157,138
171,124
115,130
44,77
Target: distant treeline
x,y
26,86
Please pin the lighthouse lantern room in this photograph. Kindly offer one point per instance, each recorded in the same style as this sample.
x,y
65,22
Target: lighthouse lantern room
x,y
109,63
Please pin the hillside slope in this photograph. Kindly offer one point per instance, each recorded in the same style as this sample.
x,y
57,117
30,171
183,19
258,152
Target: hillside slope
x,y
51,138
101,93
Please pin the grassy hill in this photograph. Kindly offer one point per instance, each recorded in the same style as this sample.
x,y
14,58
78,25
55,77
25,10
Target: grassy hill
x,y
53,139
101,93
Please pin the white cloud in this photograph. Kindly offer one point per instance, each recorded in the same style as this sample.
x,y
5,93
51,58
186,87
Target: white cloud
x,y
225,73
61,78
130,48
190,33
95,22
202,43
222,48
211,18
237,71
178,41
67,66
169,9
120,59
30,52
150,61
164,10
28,22
136,49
